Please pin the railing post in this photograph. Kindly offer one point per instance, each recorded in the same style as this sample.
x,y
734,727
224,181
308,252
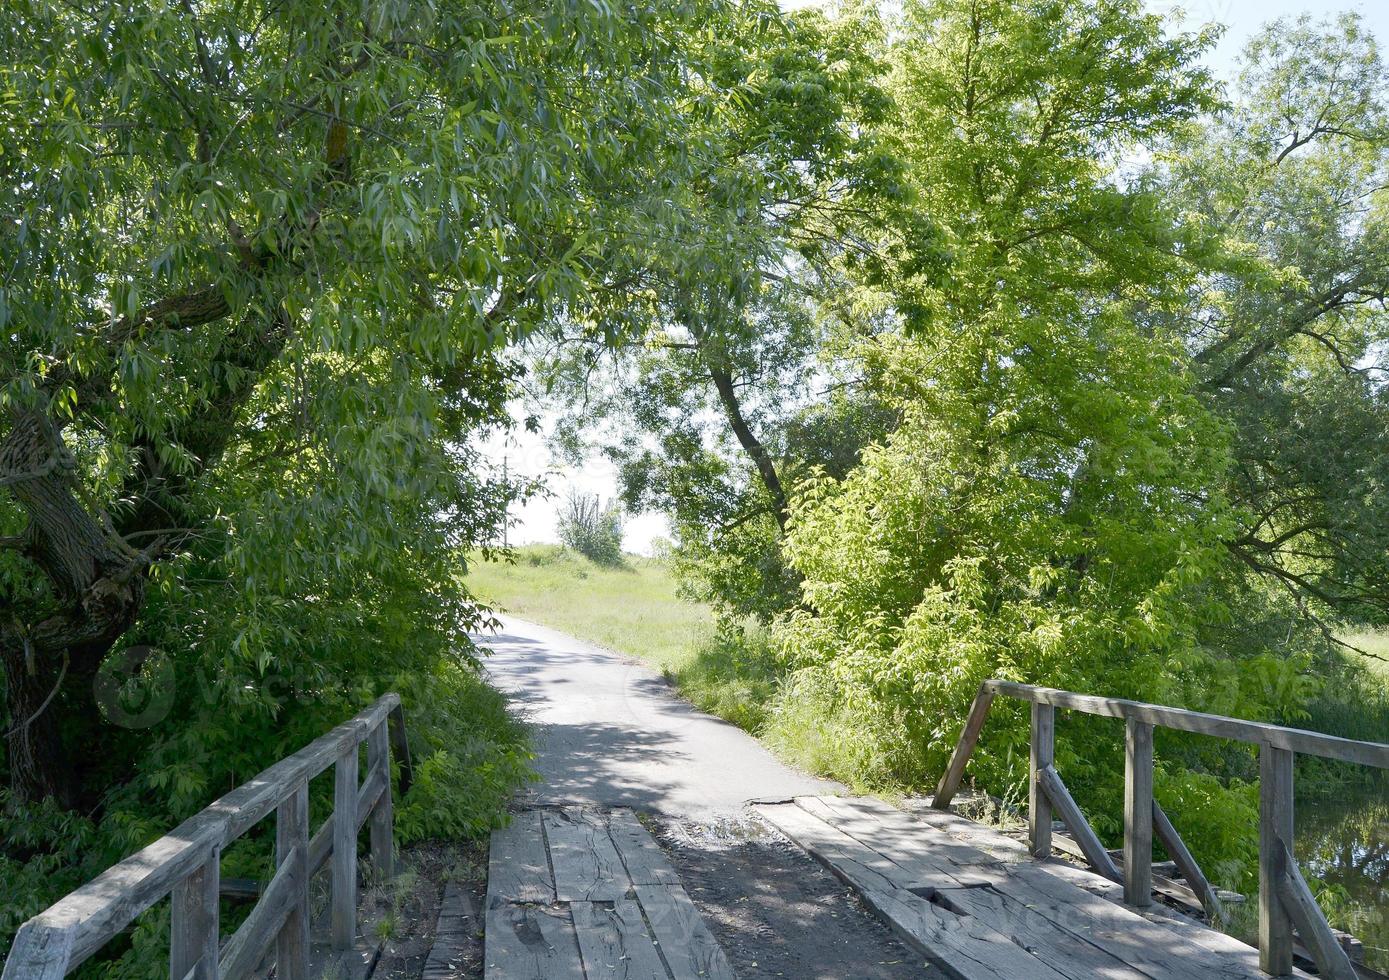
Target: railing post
x,y
396,721
292,844
194,927
1138,813
383,813
1275,827
1042,755
344,859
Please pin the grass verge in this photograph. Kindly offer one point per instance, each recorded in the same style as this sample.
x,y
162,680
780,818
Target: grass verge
x,y
633,609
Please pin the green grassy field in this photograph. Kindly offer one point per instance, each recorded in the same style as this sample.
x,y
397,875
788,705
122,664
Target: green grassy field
x,y
631,609
1375,642
634,610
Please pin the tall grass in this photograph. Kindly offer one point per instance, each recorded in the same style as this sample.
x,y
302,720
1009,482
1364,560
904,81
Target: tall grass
x,y
1354,703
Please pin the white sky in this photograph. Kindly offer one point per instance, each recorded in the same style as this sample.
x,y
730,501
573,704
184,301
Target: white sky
x,y
527,453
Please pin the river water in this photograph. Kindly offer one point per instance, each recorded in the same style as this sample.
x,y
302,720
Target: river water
x,y
1346,846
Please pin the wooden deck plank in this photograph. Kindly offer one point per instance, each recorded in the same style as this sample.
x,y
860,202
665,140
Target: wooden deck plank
x,y
586,863
517,867
1004,848
615,942
841,852
645,861
962,944
1026,891
687,945
457,919
530,942
921,859
1067,951
1160,948
562,904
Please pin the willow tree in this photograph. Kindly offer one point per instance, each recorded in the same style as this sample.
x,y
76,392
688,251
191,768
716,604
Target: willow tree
x,y
734,398
1288,332
257,261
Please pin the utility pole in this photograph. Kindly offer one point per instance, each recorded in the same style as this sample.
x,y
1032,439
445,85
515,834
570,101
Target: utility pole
x,y
506,501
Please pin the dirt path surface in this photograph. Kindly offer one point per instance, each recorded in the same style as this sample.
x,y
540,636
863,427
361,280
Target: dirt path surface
x,y
611,732
777,912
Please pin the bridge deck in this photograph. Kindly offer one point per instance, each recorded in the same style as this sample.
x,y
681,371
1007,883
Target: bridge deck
x,y
580,894
976,903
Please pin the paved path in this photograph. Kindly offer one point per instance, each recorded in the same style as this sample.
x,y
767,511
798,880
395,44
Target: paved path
x,y
613,733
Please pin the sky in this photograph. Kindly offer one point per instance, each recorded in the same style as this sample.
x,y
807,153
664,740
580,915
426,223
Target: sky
x,y
1244,17
526,453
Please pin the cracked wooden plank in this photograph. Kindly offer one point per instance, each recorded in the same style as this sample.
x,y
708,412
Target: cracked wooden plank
x,y
615,942
686,943
518,869
531,942
585,860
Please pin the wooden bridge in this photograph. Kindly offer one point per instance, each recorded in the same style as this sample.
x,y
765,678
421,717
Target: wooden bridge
x,y
185,866
586,893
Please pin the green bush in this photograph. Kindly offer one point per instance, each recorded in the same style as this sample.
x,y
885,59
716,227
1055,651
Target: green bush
x,y
591,529
473,755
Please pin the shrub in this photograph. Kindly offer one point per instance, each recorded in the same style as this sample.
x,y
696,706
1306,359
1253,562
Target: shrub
x,y
591,529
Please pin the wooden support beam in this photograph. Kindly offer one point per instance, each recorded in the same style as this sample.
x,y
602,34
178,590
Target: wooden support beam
x,y
194,924
39,952
247,946
292,848
344,858
1050,782
1041,757
950,780
1138,813
1177,850
382,813
1275,826
1297,899
57,941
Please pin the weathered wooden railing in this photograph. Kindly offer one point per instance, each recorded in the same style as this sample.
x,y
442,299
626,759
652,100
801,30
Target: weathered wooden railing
x,y
185,864
1284,898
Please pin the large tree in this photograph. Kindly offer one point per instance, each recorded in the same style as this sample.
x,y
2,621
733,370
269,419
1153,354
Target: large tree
x,y
256,261
737,394
1288,329
1050,504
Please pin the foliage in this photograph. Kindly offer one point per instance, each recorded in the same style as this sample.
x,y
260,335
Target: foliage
x,y
474,754
936,381
261,263
1050,507
734,396
1287,326
591,529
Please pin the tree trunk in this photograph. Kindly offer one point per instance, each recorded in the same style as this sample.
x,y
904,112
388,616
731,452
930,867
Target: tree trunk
x,y
50,652
766,467
39,766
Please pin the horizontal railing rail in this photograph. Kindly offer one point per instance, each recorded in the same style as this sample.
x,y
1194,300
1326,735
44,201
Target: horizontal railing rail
x,y
184,865
1285,901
